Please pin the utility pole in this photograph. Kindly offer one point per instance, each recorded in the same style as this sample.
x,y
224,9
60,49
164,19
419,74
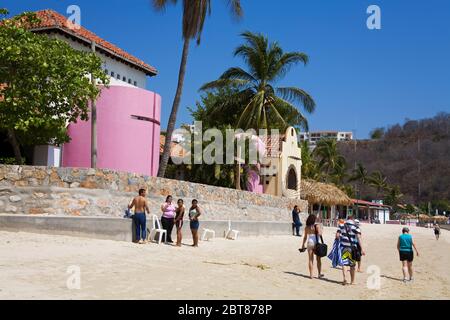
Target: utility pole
x,y
418,168
357,190
93,122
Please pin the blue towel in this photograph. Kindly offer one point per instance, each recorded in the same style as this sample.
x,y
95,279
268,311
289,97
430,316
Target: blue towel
x,y
336,254
128,214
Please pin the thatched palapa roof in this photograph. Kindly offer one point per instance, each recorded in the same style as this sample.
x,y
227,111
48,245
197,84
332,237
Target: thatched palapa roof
x,y
323,193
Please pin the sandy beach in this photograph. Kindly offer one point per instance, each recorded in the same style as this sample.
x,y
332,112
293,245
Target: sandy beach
x,y
34,266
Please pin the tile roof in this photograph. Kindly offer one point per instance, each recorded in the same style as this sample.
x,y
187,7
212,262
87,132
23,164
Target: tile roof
x,y
273,144
367,203
50,20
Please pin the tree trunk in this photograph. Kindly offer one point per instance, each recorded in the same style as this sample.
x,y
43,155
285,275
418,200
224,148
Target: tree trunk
x,y
15,145
237,175
93,123
173,113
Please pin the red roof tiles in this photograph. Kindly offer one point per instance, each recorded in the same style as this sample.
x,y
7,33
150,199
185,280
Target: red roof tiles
x,y
50,20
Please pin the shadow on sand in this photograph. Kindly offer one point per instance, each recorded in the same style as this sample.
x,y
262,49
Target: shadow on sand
x,y
391,278
307,277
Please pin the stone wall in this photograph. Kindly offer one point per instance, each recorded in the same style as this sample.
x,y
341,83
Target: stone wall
x,y
89,192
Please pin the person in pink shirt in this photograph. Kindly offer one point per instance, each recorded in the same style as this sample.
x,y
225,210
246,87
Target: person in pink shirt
x,y
168,217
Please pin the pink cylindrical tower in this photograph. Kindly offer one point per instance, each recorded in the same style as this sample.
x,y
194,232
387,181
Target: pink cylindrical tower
x,y
128,130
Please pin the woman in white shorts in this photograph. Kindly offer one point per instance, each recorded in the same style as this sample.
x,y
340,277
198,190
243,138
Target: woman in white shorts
x,y
312,232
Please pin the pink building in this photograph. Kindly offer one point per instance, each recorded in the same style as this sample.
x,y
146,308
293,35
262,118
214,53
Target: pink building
x,y
128,115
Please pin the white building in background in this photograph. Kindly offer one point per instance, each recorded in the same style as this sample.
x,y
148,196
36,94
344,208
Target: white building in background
x,y
314,136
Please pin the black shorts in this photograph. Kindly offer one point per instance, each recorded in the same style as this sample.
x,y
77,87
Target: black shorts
x,y
358,259
406,256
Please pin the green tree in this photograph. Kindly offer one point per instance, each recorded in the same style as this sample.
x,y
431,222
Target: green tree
x,y
359,174
194,16
224,106
378,181
393,196
267,64
377,133
44,85
310,167
331,162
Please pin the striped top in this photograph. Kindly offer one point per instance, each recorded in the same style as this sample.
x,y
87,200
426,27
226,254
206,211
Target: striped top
x,y
347,239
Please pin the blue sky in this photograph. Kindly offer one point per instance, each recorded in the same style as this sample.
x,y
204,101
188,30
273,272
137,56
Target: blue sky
x,y
360,78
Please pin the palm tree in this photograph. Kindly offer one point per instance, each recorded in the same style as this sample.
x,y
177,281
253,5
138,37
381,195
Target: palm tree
x,y
310,167
194,16
393,196
378,181
267,63
359,174
330,160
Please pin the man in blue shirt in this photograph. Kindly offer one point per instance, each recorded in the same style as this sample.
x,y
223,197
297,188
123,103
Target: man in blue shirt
x,y
405,245
296,223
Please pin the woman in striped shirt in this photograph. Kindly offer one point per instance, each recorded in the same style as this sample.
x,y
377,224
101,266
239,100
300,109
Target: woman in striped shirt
x,y
349,235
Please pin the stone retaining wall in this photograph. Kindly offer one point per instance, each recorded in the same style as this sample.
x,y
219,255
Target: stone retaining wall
x,y
89,192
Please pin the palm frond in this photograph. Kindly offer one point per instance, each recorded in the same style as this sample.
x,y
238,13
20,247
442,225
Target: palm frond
x,y
239,74
297,95
161,5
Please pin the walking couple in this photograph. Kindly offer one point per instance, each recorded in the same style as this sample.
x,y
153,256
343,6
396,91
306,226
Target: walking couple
x,y
347,250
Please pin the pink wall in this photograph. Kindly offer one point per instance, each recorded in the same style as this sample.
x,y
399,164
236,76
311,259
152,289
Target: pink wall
x,y
124,143
254,182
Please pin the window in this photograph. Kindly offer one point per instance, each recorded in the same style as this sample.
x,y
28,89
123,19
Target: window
x,y
113,74
135,84
124,79
129,81
106,71
292,132
118,76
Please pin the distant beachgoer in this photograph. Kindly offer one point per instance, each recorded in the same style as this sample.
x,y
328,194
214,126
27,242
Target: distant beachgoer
x,y
194,213
405,245
359,257
348,233
179,220
312,232
168,217
296,223
140,205
437,231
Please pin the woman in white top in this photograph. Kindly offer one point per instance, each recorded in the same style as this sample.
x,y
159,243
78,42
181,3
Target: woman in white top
x,y
312,232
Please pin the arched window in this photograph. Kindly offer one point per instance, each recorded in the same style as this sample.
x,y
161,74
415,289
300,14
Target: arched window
x,y
129,81
118,76
124,79
135,84
292,132
292,183
113,74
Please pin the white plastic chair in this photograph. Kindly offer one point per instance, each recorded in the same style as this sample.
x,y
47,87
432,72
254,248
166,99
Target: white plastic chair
x,y
157,230
208,234
230,233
